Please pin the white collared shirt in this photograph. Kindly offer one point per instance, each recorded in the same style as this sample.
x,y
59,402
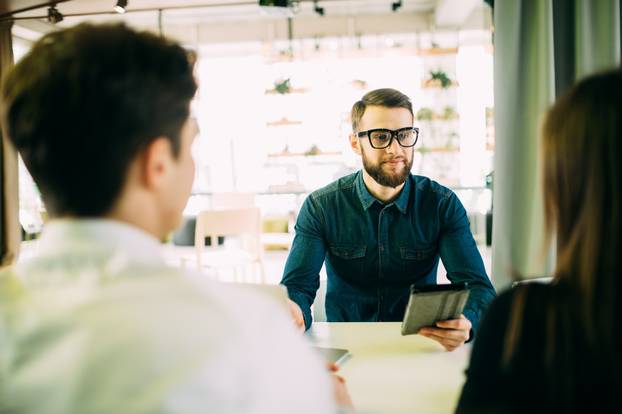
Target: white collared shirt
x,y
96,323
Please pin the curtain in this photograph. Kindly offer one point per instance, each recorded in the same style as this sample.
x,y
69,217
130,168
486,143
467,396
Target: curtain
x,y
541,48
9,210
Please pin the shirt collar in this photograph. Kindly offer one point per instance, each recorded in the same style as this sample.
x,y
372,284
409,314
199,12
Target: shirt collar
x,y
364,195
401,202
122,240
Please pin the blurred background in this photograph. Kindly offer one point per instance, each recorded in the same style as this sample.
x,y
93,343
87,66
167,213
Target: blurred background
x,y
276,85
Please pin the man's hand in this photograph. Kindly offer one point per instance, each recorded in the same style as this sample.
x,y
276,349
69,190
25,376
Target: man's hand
x,y
451,333
296,313
340,390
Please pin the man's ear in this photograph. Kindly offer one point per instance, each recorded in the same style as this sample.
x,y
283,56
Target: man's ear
x,y
157,159
355,143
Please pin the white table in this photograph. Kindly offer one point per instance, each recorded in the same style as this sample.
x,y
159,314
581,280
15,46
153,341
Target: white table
x,y
390,373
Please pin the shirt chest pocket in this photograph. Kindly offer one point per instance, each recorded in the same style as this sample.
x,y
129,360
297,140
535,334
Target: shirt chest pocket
x,y
348,259
419,254
348,252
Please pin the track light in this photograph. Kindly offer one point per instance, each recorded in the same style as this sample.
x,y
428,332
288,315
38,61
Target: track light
x,y
319,10
120,7
54,16
395,6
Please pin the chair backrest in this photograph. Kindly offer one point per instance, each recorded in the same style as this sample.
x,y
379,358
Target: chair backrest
x,y
221,201
242,222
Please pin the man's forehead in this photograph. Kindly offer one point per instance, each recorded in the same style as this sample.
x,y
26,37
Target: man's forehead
x,y
380,114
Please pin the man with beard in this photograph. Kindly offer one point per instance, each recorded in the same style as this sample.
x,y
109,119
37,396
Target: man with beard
x,y
382,229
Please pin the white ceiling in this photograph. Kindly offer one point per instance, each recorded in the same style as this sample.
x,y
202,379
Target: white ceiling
x,y
201,7
218,21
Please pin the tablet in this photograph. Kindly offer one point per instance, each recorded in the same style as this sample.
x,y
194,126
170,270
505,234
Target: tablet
x,y
430,304
335,356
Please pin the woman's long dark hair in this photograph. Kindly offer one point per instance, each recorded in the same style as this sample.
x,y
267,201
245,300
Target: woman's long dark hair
x,y
582,173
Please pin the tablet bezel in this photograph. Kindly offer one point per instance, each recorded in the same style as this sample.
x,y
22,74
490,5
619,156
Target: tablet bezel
x,y
442,292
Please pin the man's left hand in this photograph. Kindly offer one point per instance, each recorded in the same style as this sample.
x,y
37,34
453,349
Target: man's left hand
x,y
451,333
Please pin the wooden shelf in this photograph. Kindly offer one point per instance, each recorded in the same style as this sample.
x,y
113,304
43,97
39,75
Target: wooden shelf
x,y
291,90
302,154
438,149
283,122
440,118
436,84
438,51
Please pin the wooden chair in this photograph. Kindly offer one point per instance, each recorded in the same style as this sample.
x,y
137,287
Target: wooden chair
x,y
242,223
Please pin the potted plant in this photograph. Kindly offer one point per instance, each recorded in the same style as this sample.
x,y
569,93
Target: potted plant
x,y
424,114
450,113
282,86
438,78
313,150
359,84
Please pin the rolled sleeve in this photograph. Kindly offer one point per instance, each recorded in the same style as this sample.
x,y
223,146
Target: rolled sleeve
x,y
462,259
302,269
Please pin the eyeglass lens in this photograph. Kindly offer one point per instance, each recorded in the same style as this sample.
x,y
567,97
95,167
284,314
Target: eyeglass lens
x,y
381,139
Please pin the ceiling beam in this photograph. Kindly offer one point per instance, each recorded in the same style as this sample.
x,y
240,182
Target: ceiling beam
x,y
17,7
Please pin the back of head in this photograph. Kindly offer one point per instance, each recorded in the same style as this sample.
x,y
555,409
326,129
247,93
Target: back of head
x,y
582,172
582,149
387,97
82,104
567,332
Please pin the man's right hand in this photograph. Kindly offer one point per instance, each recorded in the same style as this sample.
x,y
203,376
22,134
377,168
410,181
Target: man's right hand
x,y
296,313
342,396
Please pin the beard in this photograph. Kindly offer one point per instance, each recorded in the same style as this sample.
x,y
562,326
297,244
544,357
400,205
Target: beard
x,y
387,179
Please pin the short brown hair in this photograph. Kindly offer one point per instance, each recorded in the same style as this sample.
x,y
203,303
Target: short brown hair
x,y
85,101
387,97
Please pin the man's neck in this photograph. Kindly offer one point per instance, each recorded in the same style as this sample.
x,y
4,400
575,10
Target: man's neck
x,y
381,192
143,225
139,213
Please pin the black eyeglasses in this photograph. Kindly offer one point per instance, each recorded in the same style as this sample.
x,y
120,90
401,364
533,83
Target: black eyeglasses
x,y
381,138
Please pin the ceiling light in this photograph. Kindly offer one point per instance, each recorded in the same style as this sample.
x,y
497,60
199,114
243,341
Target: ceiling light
x,y
282,8
319,10
395,6
54,15
120,7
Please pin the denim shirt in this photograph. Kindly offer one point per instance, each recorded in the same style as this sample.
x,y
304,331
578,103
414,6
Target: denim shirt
x,y
374,251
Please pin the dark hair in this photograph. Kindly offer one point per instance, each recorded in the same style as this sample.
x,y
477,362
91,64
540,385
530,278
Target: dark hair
x,y
582,184
387,97
85,101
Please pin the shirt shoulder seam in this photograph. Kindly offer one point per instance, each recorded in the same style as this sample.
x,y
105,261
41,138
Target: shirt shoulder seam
x,y
331,189
444,192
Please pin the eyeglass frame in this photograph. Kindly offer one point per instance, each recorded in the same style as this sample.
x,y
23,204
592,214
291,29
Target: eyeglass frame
x,y
393,133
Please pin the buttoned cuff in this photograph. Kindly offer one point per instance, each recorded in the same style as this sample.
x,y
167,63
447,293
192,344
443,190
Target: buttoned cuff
x,y
472,316
301,301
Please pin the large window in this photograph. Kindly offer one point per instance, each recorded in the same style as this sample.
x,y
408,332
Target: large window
x,y
280,126
275,119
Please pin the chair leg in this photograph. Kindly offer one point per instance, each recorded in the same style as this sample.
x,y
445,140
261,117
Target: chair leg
x,y
262,272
